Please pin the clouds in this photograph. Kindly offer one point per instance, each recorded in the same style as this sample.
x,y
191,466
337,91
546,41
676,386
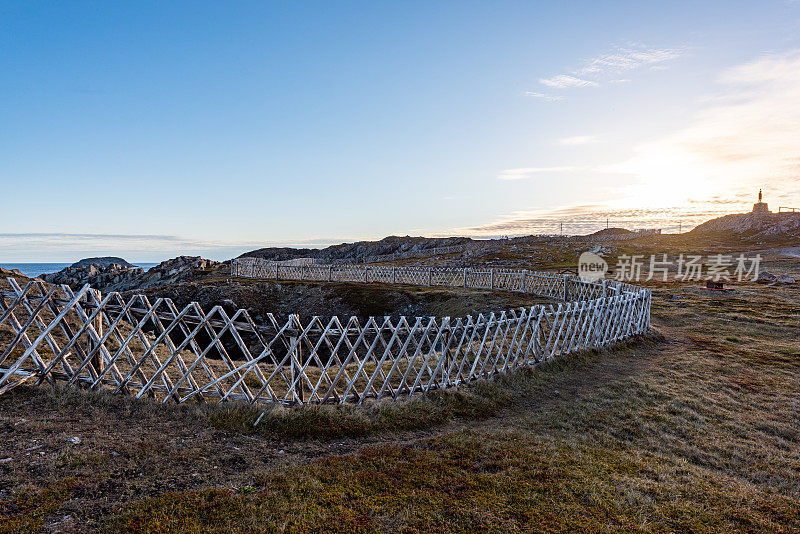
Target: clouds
x,y
527,172
745,137
607,68
544,96
626,59
587,218
564,80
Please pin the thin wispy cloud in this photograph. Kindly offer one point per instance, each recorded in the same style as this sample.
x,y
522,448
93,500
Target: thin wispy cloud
x,y
577,140
563,81
625,59
599,69
544,96
588,218
528,172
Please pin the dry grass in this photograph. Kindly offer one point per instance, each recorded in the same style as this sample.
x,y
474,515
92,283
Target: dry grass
x,y
695,431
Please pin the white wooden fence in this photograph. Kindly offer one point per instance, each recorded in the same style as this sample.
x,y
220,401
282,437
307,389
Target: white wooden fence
x,y
153,349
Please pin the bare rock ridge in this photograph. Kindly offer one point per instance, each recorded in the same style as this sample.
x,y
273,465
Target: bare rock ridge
x,y
112,276
16,273
360,250
98,276
180,269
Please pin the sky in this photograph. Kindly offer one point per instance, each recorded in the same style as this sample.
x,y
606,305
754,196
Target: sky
x,y
148,130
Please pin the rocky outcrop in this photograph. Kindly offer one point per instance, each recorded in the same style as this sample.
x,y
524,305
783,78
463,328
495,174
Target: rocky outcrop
x,y
754,225
118,277
98,277
16,273
766,277
180,269
104,261
360,251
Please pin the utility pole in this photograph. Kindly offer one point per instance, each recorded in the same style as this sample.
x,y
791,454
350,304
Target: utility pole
x,y
680,226
606,223
561,228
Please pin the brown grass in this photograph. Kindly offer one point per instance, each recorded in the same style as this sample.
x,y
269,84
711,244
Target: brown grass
x,y
693,431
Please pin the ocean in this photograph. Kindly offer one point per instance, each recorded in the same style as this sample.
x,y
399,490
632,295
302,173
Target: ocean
x,y
32,270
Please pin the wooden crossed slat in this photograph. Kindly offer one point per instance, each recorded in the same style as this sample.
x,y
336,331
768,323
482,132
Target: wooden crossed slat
x,y
156,350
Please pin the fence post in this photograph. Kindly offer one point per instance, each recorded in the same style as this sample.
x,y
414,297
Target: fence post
x,y
366,274
394,274
491,278
465,277
604,287
97,359
297,363
276,271
330,273
565,288
430,276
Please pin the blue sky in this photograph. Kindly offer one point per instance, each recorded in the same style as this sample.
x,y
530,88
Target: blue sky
x,y
149,130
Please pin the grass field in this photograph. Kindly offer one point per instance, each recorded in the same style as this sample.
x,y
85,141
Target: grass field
x,y
692,429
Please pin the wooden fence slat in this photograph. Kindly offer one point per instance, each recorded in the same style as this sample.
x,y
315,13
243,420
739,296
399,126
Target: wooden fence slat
x,y
138,348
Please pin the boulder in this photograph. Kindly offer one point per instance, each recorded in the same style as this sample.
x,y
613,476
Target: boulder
x,y
765,277
11,272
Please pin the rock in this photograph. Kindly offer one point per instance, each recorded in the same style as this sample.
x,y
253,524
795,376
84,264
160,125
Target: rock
x,y
99,277
11,272
600,250
765,277
102,262
362,250
114,276
75,440
175,270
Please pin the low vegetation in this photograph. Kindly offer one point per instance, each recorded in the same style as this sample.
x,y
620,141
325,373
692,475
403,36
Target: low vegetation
x,y
693,429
